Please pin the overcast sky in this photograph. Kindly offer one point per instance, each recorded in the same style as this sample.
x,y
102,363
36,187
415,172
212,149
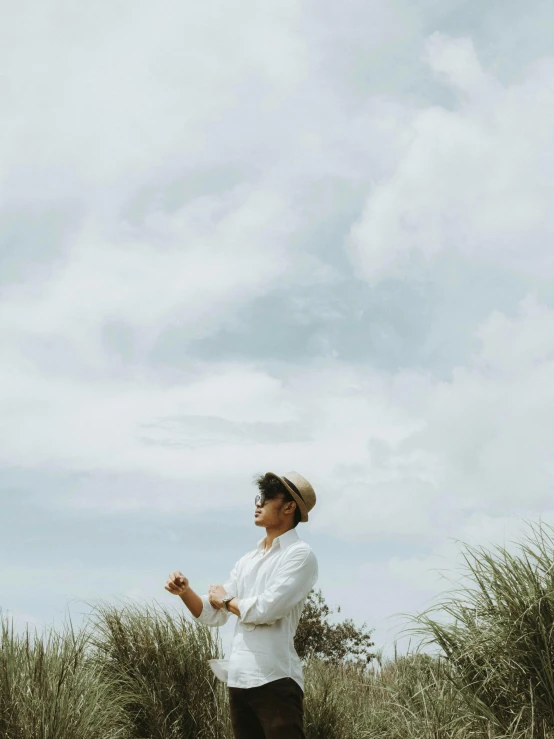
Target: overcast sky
x,y
240,237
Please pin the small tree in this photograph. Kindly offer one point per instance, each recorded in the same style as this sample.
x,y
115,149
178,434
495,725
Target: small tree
x,y
331,643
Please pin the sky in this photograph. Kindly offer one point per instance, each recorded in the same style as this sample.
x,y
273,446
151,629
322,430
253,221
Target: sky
x,y
241,237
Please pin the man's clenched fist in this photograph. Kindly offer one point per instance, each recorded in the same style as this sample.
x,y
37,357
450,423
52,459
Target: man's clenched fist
x,y
215,595
177,583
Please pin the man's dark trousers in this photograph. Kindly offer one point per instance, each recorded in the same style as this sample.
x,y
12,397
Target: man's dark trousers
x,y
274,710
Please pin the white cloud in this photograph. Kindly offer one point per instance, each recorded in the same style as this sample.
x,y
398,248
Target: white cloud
x,y
479,442
519,344
129,104
185,267
113,109
457,60
121,87
475,180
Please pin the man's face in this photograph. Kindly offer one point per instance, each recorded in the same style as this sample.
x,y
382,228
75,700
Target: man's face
x,y
271,514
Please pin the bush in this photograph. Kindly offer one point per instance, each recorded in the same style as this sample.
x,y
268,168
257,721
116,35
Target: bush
x,y
410,697
326,714
337,643
141,672
49,689
158,659
498,634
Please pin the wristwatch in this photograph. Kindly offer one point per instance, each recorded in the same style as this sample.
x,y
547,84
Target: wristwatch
x,y
226,599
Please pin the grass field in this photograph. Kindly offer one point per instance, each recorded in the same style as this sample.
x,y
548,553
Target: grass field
x,y
140,672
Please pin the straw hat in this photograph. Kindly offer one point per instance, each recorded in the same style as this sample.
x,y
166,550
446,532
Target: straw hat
x,y
300,489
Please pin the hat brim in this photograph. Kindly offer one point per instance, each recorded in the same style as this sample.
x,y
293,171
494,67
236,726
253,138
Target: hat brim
x,y
299,502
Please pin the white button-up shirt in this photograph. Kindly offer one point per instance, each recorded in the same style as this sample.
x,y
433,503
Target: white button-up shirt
x,y
271,589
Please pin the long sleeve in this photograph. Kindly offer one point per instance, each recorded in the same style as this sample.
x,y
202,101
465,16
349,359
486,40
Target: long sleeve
x,y
289,585
210,616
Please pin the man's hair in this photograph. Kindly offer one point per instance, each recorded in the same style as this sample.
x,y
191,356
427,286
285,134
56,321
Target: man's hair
x,y
272,487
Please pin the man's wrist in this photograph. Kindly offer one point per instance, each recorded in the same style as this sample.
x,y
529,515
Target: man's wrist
x,y
232,606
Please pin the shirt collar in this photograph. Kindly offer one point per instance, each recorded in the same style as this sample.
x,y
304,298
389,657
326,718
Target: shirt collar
x,y
283,541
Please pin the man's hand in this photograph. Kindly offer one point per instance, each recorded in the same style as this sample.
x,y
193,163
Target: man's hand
x,y
215,595
177,583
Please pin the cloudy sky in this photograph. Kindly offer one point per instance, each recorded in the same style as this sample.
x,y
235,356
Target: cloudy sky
x,y
240,237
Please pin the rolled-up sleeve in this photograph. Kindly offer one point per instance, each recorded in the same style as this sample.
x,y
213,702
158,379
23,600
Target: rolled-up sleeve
x,y
210,616
289,585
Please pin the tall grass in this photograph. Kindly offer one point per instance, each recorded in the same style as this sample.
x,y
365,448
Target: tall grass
x,y
141,672
158,659
409,697
49,689
497,632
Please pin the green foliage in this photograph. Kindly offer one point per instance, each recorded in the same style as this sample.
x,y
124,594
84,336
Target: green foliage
x,y
158,659
408,698
497,633
140,672
49,689
333,643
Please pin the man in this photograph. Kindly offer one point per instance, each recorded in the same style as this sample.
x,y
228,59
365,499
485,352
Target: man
x,y
266,590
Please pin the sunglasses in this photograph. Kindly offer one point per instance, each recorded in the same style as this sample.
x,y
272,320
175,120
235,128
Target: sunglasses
x,y
261,499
